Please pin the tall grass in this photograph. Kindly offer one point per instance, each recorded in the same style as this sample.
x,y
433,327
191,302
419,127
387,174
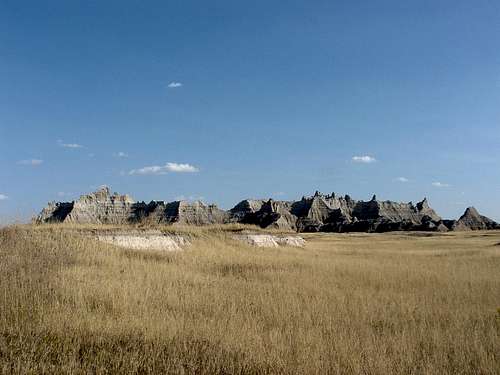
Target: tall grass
x,y
346,304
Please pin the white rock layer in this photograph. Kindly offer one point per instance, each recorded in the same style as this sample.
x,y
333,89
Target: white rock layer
x,y
267,240
146,241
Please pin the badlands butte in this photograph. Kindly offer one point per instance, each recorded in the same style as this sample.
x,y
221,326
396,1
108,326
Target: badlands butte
x,y
318,213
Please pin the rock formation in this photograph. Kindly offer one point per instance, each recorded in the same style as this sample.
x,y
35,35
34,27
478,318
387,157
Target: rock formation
x,y
272,214
179,212
55,212
245,208
472,220
101,207
319,213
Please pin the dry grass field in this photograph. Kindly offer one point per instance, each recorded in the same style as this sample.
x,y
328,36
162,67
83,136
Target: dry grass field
x,y
397,303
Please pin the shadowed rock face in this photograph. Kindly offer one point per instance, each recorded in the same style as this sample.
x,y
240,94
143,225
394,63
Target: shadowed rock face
x,y
273,215
245,208
331,213
55,212
319,213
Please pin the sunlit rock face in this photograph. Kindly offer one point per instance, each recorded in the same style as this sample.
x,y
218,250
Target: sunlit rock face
x,y
199,213
472,220
318,213
101,207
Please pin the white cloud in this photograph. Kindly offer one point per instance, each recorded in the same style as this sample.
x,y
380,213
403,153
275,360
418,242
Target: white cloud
x,y
364,159
33,162
174,85
440,184
175,167
120,154
402,179
169,167
3,197
69,145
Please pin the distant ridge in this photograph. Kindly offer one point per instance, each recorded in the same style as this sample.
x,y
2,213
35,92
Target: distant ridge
x,y
318,213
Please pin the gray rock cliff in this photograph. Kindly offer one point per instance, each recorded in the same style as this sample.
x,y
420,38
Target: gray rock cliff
x,y
318,213
472,220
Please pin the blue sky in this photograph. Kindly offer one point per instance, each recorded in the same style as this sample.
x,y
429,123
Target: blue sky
x,y
228,100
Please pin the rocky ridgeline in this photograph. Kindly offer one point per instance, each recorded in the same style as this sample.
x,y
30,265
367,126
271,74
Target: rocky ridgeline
x,y
319,213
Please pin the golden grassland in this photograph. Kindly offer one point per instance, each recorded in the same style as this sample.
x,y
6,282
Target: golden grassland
x,y
396,303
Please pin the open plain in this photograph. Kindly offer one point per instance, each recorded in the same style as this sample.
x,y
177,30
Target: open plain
x,y
392,303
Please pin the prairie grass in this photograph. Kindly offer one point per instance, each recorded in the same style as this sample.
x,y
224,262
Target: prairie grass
x,y
397,303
